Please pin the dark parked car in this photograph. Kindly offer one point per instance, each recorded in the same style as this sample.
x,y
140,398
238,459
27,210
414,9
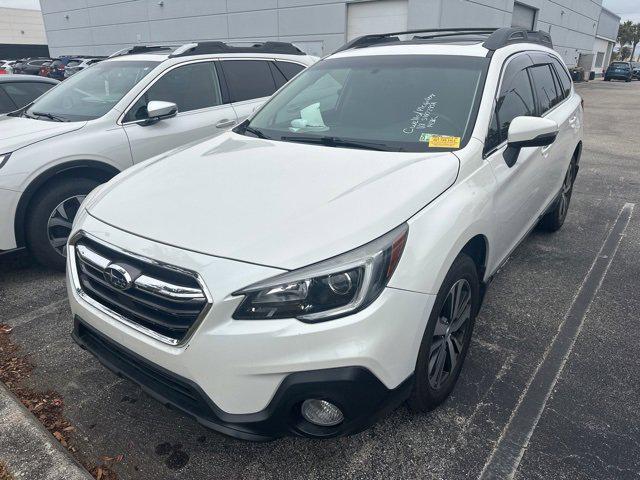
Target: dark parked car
x,y
58,66
16,91
76,64
635,70
30,66
619,71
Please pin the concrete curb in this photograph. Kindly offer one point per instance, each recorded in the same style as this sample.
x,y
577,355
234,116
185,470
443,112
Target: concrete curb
x,y
28,450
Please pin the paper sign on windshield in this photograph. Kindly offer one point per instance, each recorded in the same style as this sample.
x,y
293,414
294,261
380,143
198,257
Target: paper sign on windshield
x,y
441,141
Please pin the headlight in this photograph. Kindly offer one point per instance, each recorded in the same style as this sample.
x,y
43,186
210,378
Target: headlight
x,y
333,288
3,158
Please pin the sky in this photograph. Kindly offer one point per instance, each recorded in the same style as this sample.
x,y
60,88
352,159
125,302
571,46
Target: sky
x,y
627,9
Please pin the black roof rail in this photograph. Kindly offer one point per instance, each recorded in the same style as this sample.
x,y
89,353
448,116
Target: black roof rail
x,y
207,48
392,37
137,49
495,37
508,36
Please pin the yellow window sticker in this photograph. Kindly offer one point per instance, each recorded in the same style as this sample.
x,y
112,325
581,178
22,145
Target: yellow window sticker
x,y
443,141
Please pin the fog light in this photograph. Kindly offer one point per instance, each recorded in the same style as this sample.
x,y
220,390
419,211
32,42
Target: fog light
x,y
321,412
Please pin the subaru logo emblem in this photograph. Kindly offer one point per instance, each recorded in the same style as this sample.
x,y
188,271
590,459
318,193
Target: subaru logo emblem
x,y
117,276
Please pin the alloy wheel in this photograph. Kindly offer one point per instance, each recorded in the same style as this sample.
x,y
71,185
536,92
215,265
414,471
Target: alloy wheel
x,y
565,195
60,222
449,334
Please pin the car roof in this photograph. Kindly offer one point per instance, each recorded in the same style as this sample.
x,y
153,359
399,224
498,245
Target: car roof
x,y
11,78
476,42
157,57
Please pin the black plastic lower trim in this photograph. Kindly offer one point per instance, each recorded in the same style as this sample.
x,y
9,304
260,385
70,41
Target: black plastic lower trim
x,y
361,396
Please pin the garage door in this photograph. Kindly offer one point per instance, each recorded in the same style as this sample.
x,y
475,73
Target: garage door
x,y
523,16
379,16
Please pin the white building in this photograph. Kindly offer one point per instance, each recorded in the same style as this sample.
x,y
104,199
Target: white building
x,y
22,33
606,37
317,26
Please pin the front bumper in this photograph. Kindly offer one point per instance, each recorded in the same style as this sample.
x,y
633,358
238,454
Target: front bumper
x,y
358,393
247,378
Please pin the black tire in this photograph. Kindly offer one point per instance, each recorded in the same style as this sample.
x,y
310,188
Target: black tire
x,y
41,209
554,219
627,80
425,395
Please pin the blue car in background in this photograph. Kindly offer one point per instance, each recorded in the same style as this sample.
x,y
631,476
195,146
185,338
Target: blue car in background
x,y
619,71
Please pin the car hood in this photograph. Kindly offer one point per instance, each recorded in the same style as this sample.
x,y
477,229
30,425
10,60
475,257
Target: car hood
x,y
18,132
278,204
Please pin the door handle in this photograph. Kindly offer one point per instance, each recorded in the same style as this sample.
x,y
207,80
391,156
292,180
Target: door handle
x,y
225,123
573,121
546,149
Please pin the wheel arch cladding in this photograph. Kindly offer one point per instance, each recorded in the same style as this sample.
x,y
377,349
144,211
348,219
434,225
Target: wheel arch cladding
x,y
477,248
577,153
92,169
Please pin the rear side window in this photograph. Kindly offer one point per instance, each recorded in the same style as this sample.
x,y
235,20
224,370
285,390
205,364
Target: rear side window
x,y
191,87
284,71
563,75
545,87
6,104
248,79
288,69
23,93
515,99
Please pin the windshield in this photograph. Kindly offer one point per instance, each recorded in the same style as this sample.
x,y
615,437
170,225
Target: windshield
x,y
90,93
407,103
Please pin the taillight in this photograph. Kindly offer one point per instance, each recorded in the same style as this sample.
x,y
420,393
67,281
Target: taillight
x,y
2,72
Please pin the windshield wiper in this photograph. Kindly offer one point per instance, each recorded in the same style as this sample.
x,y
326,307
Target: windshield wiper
x,y
255,131
50,116
338,142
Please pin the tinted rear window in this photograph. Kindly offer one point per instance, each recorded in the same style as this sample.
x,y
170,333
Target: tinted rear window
x,y
23,93
248,79
545,87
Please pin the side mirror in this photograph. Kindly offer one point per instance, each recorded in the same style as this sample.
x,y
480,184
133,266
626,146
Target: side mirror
x,y
158,110
531,132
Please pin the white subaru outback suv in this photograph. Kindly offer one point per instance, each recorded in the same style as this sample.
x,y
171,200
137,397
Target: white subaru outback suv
x,y
326,260
117,113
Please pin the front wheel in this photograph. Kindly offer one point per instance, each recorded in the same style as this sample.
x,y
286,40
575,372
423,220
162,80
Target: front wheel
x,y
50,217
446,339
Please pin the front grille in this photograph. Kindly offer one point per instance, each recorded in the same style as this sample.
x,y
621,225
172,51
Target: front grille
x,y
159,298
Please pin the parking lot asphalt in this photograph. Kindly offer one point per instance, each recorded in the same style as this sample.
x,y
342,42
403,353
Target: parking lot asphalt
x,y
549,390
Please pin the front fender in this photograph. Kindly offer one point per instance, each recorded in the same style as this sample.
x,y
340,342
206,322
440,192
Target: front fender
x,y
438,233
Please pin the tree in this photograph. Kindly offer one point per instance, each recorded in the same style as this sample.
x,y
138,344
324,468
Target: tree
x,y
628,34
624,53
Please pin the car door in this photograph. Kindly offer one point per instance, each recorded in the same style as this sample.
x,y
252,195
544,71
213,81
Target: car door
x,y
203,111
517,197
250,83
569,118
555,157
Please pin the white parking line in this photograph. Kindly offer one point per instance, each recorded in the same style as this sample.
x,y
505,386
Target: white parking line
x,y
504,460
